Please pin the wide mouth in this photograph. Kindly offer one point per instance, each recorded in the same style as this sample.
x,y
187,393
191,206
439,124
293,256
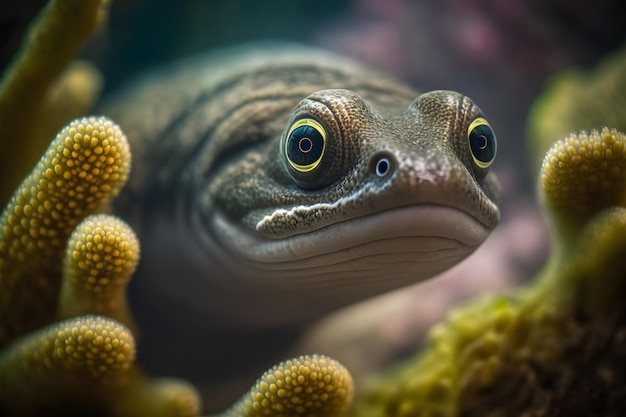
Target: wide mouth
x,y
429,227
303,276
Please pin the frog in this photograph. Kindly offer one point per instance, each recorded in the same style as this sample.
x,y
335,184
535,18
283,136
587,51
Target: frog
x,y
273,184
245,240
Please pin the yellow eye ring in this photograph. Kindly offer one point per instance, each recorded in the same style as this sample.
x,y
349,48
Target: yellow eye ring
x,y
305,145
482,142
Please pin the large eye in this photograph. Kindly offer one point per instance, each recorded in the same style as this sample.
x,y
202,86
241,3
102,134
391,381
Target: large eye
x,y
305,145
482,142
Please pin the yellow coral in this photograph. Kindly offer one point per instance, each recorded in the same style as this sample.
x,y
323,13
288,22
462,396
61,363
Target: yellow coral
x,y
583,174
101,256
64,361
82,363
599,275
147,397
74,91
53,40
83,168
306,386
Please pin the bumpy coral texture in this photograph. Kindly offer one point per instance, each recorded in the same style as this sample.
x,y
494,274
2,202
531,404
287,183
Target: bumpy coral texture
x,y
62,361
84,167
85,361
82,363
101,256
585,173
305,386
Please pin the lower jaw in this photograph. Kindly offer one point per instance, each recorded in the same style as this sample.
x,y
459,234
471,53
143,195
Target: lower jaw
x,y
418,223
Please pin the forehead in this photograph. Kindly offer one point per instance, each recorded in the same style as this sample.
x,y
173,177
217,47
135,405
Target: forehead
x,y
428,120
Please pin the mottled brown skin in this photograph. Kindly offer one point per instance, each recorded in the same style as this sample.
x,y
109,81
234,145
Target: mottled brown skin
x,y
236,244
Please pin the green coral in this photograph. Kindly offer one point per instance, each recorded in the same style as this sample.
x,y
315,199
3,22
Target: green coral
x,y
66,343
582,175
577,100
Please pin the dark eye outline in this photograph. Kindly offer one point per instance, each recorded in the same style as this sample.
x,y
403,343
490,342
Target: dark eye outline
x,y
383,166
320,129
481,121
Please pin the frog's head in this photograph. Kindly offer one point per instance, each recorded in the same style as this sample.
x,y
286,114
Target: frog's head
x,y
352,200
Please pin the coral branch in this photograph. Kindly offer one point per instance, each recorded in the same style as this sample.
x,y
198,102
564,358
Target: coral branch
x,y
101,256
62,363
82,170
53,40
582,175
305,386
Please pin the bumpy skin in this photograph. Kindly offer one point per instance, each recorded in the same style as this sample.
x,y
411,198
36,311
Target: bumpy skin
x,y
214,201
250,250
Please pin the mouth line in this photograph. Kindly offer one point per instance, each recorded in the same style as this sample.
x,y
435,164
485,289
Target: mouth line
x,y
272,223
424,221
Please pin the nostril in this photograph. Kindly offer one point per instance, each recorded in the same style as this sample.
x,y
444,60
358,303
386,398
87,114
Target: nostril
x,y
383,166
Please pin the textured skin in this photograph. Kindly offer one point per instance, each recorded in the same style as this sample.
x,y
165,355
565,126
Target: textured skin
x,y
88,163
229,235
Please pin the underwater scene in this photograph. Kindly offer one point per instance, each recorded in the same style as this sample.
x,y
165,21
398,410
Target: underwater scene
x,y
337,208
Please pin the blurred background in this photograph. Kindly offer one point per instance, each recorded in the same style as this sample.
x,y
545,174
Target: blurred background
x,y
501,53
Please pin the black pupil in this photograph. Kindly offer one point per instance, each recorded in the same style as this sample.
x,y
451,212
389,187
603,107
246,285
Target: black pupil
x,y
482,143
382,167
305,145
